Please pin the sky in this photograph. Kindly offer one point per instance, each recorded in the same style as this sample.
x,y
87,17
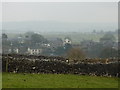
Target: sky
x,y
101,12
59,16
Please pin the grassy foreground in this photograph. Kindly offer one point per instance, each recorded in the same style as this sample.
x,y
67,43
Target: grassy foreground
x,y
57,81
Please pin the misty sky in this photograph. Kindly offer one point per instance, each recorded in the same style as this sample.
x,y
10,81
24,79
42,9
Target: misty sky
x,y
59,16
65,12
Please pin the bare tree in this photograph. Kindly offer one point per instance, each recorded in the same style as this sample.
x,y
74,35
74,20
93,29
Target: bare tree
x,y
75,55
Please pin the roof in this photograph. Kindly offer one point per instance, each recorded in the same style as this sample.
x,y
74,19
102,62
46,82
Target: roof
x,y
67,38
34,47
55,40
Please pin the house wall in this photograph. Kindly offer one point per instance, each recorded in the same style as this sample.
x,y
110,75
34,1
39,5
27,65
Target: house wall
x,y
34,51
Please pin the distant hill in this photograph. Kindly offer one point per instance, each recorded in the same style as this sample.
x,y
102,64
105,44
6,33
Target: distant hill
x,y
54,26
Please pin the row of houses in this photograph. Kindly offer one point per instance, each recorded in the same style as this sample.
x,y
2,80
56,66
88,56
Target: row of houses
x,y
23,46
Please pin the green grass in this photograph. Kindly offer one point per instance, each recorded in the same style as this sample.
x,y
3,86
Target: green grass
x,y
57,81
0,80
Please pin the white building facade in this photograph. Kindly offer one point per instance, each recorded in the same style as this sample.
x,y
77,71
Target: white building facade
x,y
34,51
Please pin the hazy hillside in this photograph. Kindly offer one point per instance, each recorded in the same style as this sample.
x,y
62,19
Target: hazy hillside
x,y
53,26
76,37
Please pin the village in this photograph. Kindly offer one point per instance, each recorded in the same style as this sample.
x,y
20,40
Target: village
x,y
32,43
59,44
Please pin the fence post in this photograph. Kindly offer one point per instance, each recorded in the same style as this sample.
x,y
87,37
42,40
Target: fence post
x,y
7,64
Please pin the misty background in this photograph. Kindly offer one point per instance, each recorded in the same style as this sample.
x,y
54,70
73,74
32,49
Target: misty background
x,y
59,17
53,29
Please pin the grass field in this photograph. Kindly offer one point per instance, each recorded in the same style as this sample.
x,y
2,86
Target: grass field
x,y
57,81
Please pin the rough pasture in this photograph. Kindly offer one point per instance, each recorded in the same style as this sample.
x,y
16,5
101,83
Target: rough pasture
x,y
11,80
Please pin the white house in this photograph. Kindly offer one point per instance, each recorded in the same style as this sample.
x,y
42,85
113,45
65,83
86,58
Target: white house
x,y
15,50
67,40
34,51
